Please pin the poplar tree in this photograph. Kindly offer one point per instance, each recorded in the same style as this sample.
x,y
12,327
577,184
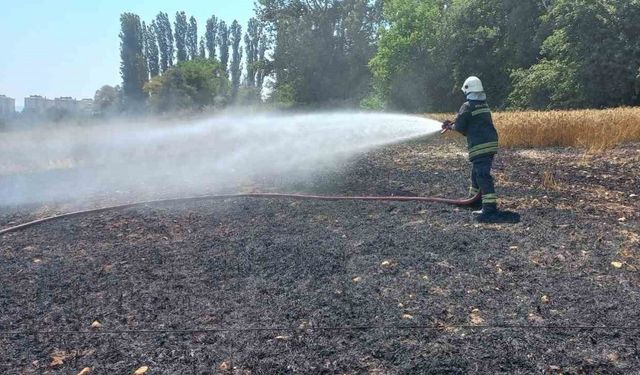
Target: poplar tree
x,y
223,43
261,69
133,66
322,48
181,28
151,48
211,36
164,35
236,71
145,46
192,38
251,40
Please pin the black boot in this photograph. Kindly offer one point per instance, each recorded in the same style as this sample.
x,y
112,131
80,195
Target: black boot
x,y
490,214
488,209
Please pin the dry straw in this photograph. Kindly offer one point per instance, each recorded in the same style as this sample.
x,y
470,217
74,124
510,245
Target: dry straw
x,y
593,130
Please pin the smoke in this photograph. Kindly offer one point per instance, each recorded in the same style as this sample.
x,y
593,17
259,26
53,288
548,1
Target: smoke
x,y
138,160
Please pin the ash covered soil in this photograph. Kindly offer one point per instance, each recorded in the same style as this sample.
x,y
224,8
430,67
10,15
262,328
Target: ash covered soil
x,y
305,287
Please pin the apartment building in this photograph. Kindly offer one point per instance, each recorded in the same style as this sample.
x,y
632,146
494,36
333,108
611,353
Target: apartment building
x,y
37,104
7,106
40,104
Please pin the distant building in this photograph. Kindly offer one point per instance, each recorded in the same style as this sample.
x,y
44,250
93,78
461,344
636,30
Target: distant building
x,y
66,103
40,104
37,104
7,106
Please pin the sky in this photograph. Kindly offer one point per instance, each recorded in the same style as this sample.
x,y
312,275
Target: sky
x,y
71,47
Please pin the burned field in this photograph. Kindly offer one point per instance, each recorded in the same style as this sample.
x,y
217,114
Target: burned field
x,y
247,286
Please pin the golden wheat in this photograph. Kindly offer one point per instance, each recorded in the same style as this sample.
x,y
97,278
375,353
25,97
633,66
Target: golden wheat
x,y
593,130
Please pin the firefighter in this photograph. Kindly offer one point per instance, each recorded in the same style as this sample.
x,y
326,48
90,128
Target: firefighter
x,y
475,123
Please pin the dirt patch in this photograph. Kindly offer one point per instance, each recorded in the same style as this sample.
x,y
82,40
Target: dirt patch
x,y
304,269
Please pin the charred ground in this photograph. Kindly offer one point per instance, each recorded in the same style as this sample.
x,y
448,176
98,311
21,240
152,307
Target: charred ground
x,y
300,267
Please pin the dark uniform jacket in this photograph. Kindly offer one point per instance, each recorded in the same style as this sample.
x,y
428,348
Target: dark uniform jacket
x,y
474,122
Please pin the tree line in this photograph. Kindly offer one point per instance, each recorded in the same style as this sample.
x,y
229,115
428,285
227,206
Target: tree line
x,y
170,66
407,55
539,54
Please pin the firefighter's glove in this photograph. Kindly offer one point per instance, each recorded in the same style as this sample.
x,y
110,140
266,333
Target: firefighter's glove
x,y
447,125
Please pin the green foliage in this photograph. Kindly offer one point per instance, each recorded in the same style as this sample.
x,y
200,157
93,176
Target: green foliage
x,y
321,49
489,39
284,96
108,100
236,70
151,49
202,53
211,36
409,55
591,59
261,66
430,47
164,35
251,43
190,85
550,84
181,28
406,68
374,101
192,39
223,44
133,65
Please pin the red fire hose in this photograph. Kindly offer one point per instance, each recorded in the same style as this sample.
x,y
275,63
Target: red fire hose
x,y
457,202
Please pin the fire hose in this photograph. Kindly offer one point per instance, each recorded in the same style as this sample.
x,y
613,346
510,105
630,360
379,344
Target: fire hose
x,y
456,202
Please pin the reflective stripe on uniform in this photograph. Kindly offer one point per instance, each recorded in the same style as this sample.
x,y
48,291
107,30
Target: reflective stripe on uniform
x,y
473,191
480,111
490,198
484,148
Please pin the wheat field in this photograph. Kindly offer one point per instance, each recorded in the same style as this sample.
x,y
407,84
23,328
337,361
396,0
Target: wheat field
x,y
592,130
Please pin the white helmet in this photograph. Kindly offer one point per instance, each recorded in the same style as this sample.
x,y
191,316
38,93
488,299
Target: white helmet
x,y
472,84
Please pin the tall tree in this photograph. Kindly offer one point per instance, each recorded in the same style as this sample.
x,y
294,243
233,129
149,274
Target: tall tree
x,y
181,28
151,49
591,59
133,66
164,35
251,41
145,47
212,36
223,44
192,38
322,48
236,71
261,63
429,47
489,39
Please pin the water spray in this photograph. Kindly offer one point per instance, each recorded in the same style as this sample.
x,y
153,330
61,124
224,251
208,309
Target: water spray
x,y
194,158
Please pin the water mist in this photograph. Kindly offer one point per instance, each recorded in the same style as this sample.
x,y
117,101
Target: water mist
x,y
138,160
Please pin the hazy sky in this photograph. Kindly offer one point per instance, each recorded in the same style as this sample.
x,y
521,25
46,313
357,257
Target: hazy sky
x,y
71,47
